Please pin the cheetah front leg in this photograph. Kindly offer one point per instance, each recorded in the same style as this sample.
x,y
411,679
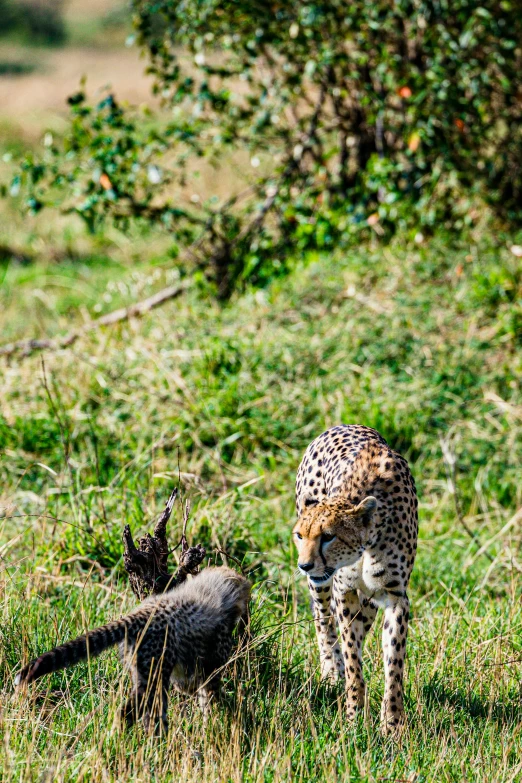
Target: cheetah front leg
x,y
331,659
395,630
208,694
355,618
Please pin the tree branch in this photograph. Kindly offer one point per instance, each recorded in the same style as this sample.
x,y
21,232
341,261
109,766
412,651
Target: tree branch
x,y
136,310
306,142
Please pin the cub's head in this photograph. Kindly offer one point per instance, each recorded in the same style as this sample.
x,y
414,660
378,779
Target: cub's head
x,y
241,589
330,535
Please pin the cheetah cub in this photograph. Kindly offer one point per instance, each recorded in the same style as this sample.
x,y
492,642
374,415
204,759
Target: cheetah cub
x,y
182,637
356,536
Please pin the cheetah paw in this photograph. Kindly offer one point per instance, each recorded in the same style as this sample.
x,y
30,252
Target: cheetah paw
x,y
392,724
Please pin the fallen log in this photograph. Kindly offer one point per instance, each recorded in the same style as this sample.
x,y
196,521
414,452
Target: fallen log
x,y
136,310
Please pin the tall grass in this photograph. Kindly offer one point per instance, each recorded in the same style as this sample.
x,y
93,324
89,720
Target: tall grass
x,y
422,344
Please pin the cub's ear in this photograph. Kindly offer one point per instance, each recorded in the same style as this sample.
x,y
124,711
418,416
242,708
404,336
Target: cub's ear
x,y
365,510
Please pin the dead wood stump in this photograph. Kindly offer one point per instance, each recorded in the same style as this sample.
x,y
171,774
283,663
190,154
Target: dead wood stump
x,y
147,564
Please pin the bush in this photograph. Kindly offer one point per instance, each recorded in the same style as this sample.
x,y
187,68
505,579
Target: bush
x,y
354,117
41,21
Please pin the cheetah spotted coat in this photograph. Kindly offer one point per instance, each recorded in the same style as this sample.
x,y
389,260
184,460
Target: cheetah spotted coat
x,y
182,637
356,535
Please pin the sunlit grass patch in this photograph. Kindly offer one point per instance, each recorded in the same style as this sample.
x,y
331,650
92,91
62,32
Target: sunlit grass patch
x,y
403,341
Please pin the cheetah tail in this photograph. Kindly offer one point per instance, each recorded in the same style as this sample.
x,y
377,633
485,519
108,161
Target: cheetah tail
x,y
89,645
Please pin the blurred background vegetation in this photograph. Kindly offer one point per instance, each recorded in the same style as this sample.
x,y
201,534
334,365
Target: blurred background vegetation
x,y
36,21
333,123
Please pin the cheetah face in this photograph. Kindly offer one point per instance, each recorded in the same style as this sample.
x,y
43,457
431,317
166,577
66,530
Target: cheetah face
x,y
331,535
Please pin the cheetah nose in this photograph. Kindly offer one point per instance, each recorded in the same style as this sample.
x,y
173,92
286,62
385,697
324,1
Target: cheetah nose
x,y
305,566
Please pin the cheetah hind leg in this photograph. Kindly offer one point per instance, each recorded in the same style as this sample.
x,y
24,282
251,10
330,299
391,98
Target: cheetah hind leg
x,y
155,717
149,702
130,710
149,707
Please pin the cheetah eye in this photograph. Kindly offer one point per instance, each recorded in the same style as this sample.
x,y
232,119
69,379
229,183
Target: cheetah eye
x,y
325,537
299,536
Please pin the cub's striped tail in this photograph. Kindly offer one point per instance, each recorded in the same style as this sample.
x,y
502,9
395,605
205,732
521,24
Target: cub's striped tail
x,y
87,646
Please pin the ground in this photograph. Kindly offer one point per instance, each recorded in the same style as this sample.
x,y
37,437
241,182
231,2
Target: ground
x,y
421,342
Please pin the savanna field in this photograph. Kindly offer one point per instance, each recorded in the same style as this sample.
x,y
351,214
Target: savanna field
x,y
421,340
92,437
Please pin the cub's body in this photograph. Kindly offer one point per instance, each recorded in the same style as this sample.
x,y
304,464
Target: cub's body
x,y
182,638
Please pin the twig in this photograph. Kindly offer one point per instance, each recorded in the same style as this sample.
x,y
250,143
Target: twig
x,y
136,310
186,514
231,557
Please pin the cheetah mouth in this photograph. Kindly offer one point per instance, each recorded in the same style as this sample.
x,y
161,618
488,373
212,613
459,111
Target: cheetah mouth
x,y
328,573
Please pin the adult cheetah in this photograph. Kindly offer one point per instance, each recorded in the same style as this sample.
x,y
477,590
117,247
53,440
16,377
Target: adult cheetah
x,y
356,536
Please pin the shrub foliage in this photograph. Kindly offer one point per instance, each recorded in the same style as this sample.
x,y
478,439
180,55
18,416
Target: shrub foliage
x,y
350,117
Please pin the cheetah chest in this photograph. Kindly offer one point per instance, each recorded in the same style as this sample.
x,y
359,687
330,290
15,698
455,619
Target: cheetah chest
x,y
365,575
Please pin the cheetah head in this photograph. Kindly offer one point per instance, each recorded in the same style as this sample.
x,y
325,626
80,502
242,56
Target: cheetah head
x,y
330,535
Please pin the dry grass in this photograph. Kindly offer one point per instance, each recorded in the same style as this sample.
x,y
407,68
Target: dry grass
x,y
422,344
426,351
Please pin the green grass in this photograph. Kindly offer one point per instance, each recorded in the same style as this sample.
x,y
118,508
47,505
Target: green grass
x,y
424,344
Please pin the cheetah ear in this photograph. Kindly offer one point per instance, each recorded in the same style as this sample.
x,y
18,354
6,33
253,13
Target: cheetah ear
x,y
365,510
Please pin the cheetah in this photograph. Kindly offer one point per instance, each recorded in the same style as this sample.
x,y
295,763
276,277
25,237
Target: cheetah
x,y
356,537
182,637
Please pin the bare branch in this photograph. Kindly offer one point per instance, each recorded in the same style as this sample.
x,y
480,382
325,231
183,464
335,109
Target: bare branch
x,y
160,527
136,310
